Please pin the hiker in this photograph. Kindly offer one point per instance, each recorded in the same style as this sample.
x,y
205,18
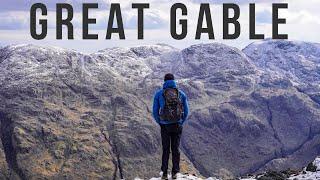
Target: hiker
x,y
170,111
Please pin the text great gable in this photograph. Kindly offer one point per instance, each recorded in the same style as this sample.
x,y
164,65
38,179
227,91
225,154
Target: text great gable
x,y
204,23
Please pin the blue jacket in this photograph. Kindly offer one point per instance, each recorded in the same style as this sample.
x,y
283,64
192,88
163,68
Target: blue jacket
x,y
158,102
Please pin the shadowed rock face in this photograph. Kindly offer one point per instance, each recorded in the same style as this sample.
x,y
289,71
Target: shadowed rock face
x,y
72,115
3,164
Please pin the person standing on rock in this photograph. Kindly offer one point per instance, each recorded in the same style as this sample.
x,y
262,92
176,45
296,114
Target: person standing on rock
x,y
170,111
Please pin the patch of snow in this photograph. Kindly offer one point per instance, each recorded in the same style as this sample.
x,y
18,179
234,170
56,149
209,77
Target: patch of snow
x,y
309,175
182,177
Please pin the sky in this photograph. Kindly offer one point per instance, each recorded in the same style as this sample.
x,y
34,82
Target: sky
x,y
303,23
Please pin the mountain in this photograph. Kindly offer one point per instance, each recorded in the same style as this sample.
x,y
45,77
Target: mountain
x,y
69,115
244,119
296,61
66,114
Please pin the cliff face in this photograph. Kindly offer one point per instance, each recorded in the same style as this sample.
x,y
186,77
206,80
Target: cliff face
x,y
70,115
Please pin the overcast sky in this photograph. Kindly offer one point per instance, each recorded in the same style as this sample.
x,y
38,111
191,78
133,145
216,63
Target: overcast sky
x,y
303,23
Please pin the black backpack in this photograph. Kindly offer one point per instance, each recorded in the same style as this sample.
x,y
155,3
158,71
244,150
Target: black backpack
x,y
173,108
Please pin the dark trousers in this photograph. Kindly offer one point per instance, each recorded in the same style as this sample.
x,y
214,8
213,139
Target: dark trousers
x,y
170,137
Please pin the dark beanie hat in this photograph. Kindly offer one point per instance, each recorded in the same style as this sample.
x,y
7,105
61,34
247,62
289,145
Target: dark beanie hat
x,y
168,76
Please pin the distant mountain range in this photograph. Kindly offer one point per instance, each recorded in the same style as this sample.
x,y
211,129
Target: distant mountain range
x,y
69,115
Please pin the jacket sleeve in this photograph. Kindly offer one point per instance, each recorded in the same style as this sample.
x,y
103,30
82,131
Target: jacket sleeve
x,y
155,109
185,108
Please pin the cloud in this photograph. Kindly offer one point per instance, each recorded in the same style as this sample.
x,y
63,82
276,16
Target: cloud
x,y
14,20
264,17
157,16
152,20
25,5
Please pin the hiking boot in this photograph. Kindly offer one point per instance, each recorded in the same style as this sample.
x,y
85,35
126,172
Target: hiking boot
x,y
164,176
174,175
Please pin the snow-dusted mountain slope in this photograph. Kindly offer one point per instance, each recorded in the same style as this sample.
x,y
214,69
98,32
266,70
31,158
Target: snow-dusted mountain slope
x,y
134,63
298,61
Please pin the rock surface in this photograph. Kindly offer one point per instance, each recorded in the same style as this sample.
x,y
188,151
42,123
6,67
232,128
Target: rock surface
x,y
70,115
303,174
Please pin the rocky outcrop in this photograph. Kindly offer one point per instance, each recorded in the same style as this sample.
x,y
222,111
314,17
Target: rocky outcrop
x,y
10,149
3,164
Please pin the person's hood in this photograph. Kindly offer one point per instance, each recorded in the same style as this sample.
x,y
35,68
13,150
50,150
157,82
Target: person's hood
x,y
169,84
